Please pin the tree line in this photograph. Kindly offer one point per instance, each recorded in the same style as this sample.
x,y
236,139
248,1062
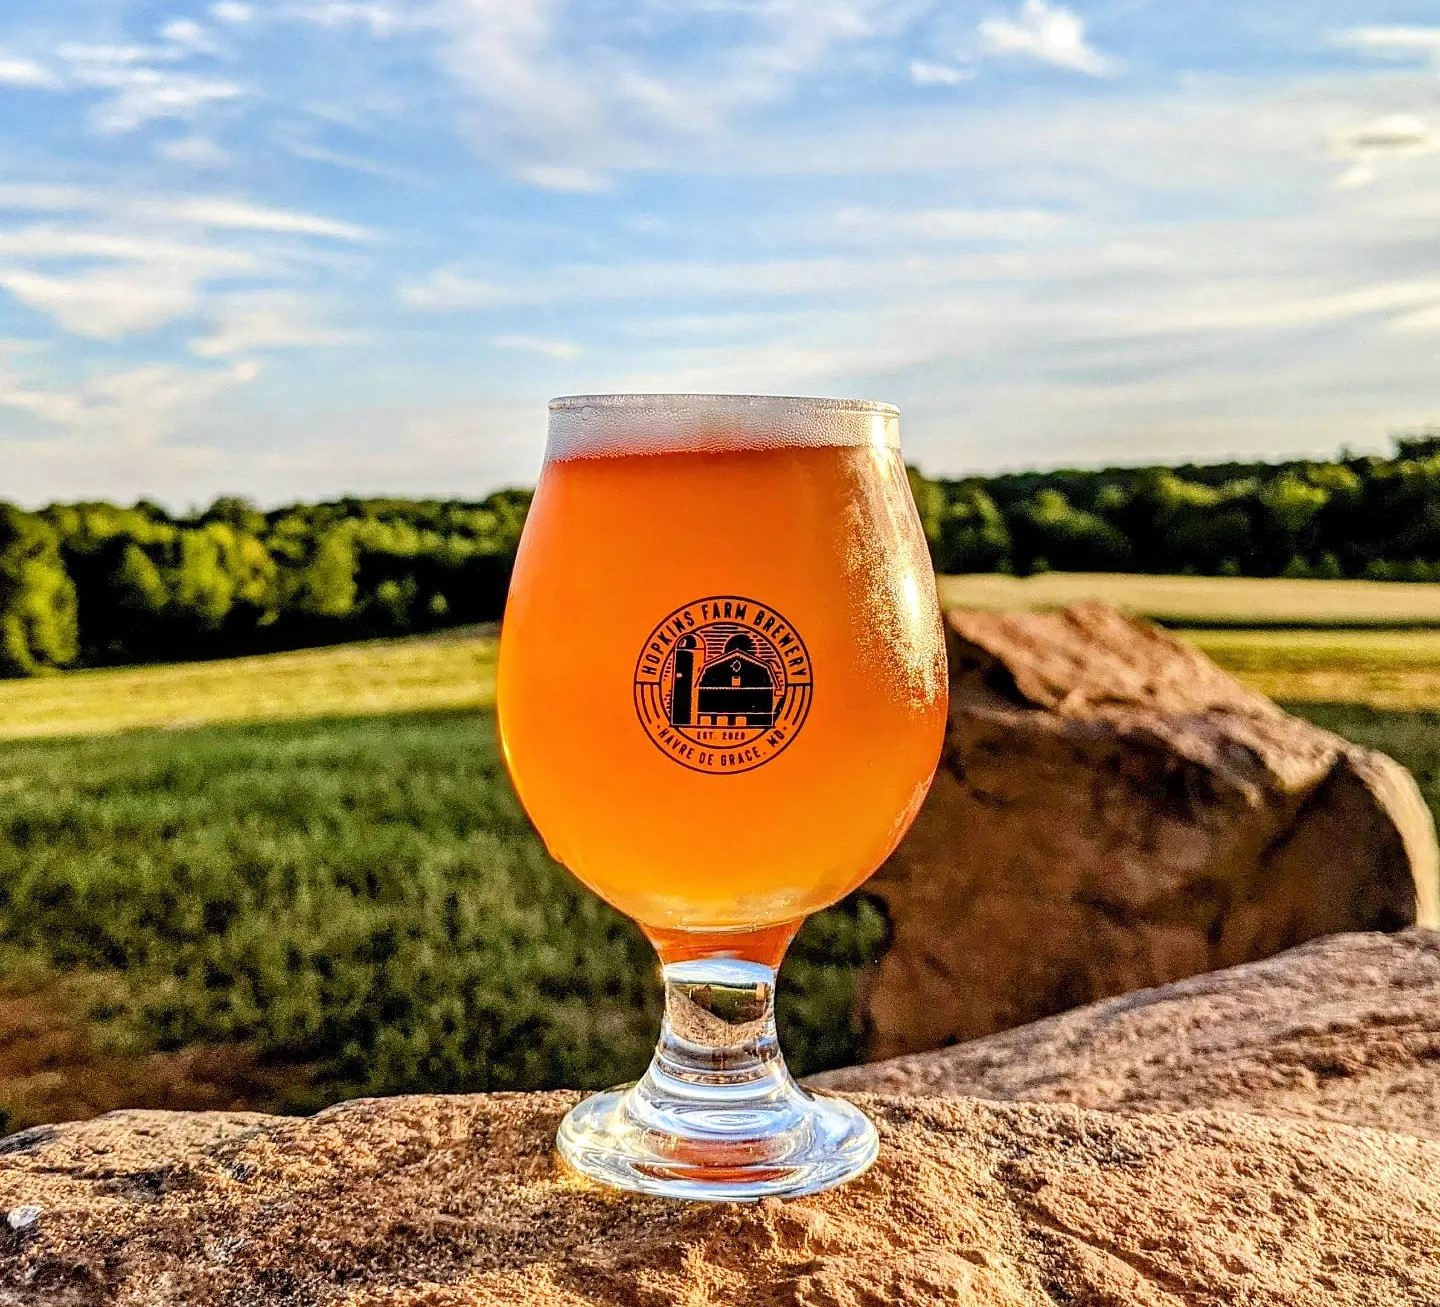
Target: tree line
x,y
93,584
1362,516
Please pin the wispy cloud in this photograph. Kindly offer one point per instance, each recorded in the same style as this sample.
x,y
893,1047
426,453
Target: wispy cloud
x,y
136,405
565,94
15,70
553,349
119,433
106,305
379,18
185,34
196,151
957,224
1393,136
241,215
108,265
925,72
222,212
1048,33
452,290
144,84
1395,42
267,320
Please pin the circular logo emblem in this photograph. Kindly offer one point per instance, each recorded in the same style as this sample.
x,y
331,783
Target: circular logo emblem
x,y
723,685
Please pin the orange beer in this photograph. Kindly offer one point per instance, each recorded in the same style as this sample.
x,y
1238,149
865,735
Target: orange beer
x,y
722,671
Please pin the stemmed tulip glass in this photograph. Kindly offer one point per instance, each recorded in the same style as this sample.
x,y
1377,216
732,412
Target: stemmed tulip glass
x,y
722,699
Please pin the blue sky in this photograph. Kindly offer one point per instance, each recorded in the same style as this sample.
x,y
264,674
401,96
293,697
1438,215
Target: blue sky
x,y
307,247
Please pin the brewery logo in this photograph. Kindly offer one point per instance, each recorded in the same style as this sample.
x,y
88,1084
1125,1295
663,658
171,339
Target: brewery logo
x,y
723,684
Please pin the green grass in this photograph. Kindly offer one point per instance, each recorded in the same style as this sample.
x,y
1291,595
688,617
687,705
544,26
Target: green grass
x,y
317,858
1411,738
1396,670
1211,601
361,899
452,671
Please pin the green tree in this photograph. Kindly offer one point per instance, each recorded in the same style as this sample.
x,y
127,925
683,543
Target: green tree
x,y
973,533
38,627
929,497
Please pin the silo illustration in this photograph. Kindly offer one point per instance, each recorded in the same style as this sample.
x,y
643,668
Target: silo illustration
x,y
682,691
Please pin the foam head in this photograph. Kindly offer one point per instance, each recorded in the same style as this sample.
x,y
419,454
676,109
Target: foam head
x,y
614,426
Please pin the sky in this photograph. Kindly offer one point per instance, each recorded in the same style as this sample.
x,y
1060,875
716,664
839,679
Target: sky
x,y
301,248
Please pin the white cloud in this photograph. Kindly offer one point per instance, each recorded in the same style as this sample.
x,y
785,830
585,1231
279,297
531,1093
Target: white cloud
x,y
264,320
449,290
454,289
923,72
106,266
961,224
197,151
307,149
1049,33
220,212
142,85
231,11
22,72
241,215
106,304
188,35
58,242
1396,42
44,198
1422,319
117,427
564,94
379,18
553,349
1393,136
564,177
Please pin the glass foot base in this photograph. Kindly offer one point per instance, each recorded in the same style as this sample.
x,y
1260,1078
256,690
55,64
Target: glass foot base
x,y
782,1143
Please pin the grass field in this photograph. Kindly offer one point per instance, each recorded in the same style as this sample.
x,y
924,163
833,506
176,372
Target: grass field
x,y
446,672
1211,601
359,899
1322,662
291,879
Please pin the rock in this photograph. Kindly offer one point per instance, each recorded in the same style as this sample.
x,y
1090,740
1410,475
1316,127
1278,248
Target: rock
x,y
443,1201
454,1200
1340,1029
1112,812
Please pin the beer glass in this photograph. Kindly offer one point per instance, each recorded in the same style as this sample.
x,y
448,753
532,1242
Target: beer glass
x,y
722,700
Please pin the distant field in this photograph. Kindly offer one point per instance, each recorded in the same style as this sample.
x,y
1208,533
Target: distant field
x,y
1318,662
1211,601
288,879
1396,670
422,673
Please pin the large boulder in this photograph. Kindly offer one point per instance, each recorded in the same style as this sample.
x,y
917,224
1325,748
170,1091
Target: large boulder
x,y
1112,812
445,1201
1340,1029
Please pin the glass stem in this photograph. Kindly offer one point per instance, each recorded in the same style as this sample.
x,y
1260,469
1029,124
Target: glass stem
x,y
719,1027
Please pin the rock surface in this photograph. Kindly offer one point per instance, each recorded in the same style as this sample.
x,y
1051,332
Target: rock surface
x,y
1113,812
446,1201
1340,1029
458,1201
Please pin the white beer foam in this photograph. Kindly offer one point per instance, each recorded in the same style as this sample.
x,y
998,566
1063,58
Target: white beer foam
x,y
612,426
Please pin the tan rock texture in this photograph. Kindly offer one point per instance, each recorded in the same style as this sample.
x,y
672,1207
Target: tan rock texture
x,y
1340,1029
1113,812
456,1200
